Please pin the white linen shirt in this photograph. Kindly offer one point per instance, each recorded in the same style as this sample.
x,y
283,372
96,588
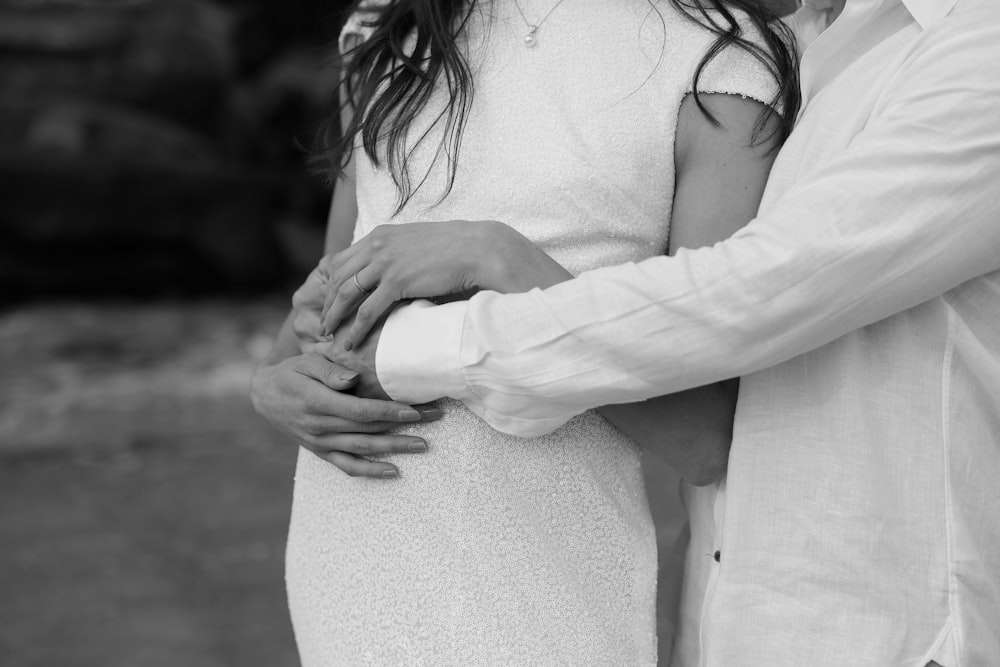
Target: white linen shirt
x,y
860,520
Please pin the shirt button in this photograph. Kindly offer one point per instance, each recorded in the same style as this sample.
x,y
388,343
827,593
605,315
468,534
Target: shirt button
x,y
718,556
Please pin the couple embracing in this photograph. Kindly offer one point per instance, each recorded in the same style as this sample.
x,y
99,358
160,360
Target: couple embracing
x,y
586,229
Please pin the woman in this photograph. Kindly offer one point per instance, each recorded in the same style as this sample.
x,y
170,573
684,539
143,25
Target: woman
x,y
583,135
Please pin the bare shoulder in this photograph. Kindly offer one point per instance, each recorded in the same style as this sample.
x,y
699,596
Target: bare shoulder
x,y
733,123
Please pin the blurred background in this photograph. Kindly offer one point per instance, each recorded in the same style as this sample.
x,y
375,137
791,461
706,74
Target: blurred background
x,y
155,214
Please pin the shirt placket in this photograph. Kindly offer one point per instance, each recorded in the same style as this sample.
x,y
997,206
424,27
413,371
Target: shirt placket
x,y
830,41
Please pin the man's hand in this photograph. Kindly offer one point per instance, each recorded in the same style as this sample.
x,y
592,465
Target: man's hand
x,y
307,303
360,359
303,396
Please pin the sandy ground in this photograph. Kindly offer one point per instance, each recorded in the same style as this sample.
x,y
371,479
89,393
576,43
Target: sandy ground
x,y
143,506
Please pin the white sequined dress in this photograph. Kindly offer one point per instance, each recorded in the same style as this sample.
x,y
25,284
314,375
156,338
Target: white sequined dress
x,y
493,550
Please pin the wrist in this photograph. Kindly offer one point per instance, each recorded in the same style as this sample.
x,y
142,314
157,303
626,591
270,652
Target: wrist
x,y
256,385
508,262
490,267
417,359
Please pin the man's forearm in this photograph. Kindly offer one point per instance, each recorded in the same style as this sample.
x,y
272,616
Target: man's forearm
x,y
844,250
905,212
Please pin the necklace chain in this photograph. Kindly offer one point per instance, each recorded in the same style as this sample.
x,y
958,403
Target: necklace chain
x,y
529,39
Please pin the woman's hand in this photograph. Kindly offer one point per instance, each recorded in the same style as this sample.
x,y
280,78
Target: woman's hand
x,y
304,397
428,259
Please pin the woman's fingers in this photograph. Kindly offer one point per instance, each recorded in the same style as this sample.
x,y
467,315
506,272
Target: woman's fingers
x,y
347,451
368,313
304,397
370,445
341,267
331,263
355,413
350,261
332,375
343,302
359,467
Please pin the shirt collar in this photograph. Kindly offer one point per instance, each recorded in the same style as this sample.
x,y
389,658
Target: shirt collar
x,y
925,12
820,40
928,12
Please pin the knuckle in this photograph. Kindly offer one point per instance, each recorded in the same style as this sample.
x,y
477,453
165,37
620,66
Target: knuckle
x,y
344,292
303,299
312,406
308,401
363,427
356,413
380,236
300,325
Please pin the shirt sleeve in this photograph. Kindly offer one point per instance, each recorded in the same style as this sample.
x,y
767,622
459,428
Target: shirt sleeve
x,y
736,71
909,210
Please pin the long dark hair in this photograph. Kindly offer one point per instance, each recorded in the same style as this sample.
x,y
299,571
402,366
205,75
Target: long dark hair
x,y
388,78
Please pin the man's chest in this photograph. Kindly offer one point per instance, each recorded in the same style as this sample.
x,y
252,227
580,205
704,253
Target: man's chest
x,y
855,91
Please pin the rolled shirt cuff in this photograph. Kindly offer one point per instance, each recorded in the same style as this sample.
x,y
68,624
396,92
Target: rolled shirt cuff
x,y
418,358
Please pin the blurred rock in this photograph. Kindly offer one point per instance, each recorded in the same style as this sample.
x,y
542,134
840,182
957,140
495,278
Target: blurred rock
x,y
172,56
140,153
99,198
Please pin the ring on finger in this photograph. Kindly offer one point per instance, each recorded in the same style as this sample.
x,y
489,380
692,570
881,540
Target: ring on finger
x,y
357,283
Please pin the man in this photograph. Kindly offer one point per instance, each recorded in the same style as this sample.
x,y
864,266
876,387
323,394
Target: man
x,y
860,519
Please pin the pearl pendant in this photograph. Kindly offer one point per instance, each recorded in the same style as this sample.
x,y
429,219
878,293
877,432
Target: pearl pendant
x,y
529,39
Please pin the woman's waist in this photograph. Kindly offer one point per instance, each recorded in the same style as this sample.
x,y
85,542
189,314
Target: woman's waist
x,y
463,432
586,453
475,481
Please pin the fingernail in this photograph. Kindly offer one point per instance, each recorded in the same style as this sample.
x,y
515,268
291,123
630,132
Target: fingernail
x,y
390,474
429,413
408,415
348,345
417,446
347,377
